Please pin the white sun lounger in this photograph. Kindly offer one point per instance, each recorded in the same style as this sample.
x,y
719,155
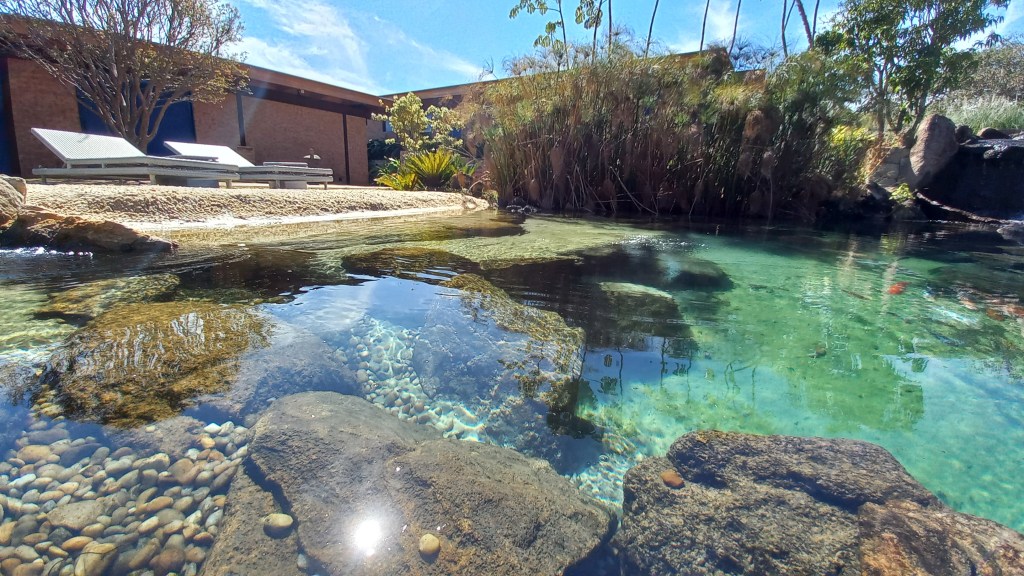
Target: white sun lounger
x,y
110,157
277,173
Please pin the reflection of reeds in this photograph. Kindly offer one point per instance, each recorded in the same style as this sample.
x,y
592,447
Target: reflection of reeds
x,y
652,135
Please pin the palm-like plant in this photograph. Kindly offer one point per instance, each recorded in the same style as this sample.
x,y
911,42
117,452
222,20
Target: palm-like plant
x,y
434,169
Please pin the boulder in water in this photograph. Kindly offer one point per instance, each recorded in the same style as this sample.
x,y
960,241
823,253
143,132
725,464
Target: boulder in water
x,y
364,487
936,145
784,505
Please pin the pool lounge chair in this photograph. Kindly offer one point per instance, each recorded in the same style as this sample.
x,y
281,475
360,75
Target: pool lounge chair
x,y
279,174
110,157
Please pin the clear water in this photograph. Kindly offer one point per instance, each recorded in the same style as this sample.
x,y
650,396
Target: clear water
x,y
911,339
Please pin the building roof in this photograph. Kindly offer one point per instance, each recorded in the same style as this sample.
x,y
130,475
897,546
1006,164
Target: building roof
x,y
290,89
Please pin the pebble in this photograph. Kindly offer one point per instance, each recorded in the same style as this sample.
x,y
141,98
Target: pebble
x,y
26,553
277,525
158,462
183,471
76,544
149,526
429,545
35,453
672,479
33,569
170,560
184,504
117,467
195,555
142,557
158,504
95,559
207,443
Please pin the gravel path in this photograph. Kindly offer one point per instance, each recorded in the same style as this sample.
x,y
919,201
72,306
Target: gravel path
x,y
146,205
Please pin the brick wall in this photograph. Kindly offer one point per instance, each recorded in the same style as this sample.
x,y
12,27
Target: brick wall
x,y
38,101
217,123
279,132
276,131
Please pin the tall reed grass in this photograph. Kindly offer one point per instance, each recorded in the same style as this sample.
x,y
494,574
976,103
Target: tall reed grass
x,y
981,112
664,134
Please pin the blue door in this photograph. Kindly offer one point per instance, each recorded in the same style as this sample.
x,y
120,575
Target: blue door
x,y
178,126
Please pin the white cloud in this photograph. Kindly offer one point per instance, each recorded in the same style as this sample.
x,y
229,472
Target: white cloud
x,y
719,27
1014,15
325,42
282,58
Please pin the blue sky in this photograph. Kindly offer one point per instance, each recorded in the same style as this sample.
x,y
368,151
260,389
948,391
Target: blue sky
x,y
390,46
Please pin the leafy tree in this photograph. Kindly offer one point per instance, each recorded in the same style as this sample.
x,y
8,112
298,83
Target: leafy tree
x,y
905,52
417,129
129,60
999,71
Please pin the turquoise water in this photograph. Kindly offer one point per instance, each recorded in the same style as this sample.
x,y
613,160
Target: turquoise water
x,y
911,339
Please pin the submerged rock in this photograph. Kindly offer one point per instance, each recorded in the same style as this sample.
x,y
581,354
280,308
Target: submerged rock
x,y
144,362
784,505
87,301
408,262
509,364
35,226
701,275
364,487
293,361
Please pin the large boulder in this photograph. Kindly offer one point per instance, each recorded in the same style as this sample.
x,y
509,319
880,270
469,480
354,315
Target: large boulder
x,y
985,178
365,487
37,227
17,183
782,505
936,145
11,202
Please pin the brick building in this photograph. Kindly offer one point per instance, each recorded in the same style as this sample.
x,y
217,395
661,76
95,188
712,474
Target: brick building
x,y
280,118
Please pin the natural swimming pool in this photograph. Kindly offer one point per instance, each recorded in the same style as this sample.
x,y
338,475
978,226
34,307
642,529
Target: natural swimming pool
x,y
912,339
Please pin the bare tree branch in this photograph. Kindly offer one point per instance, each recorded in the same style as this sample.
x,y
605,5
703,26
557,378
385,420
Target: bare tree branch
x,y
129,60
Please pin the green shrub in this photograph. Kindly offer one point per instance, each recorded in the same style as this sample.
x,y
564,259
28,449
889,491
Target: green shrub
x,y
434,169
399,181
